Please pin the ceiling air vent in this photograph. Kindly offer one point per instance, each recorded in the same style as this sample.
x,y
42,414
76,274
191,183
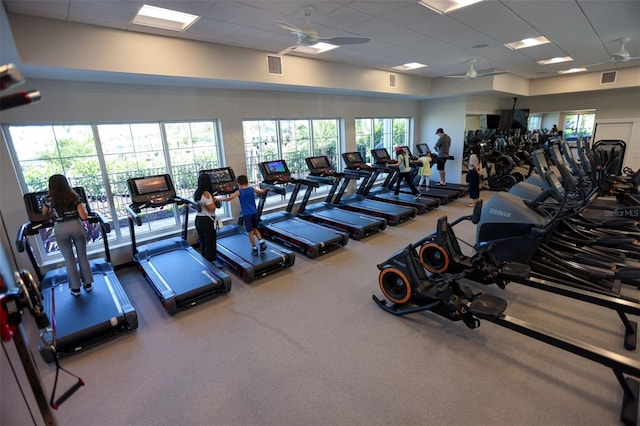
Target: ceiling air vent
x,y
274,65
393,80
608,77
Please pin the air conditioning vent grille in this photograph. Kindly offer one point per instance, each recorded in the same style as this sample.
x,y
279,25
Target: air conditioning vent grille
x,y
393,80
608,77
274,65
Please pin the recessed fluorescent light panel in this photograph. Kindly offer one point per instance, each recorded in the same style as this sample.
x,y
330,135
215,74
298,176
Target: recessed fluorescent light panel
x,y
445,6
527,42
167,19
316,48
409,66
572,70
555,60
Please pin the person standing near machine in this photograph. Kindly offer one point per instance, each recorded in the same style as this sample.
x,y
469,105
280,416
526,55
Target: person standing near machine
x,y
425,171
67,211
473,175
206,218
249,211
404,173
442,149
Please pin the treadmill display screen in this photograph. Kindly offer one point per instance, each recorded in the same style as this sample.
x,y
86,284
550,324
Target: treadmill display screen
x,y
423,149
219,176
380,155
276,170
319,162
353,158
156,189
151,185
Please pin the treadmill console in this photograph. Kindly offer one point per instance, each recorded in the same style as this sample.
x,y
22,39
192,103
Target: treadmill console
x,y
275,171
33,202
422,149
223,180
354,161
157,189
320,166
380,156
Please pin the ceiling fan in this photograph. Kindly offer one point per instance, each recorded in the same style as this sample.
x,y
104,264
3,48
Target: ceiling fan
x,y
472,73
622,55
308,36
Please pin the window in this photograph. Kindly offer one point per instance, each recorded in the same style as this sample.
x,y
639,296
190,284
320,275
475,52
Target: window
x,y
290,140
578,126
534,122
101,157
381,133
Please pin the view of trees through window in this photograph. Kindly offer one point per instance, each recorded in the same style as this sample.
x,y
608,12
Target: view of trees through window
x,y
289,140
381,133
101,157
578,126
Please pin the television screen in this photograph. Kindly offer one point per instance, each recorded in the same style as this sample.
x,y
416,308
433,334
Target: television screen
x,y
151,185
319,162
514,119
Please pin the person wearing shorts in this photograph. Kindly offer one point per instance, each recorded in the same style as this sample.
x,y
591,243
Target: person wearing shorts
x,y
442,149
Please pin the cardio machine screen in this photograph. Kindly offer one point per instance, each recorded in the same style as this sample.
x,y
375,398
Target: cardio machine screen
x,y
541,162
319,162
423,149
380,155
218,176
151,185
276,167
352,158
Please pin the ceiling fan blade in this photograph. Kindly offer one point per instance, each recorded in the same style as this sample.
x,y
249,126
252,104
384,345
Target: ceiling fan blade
x,y
287,26
342,41
610,61
492,73
287,50
464,77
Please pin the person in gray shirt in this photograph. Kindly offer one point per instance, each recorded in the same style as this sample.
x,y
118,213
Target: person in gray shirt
x,y
442,149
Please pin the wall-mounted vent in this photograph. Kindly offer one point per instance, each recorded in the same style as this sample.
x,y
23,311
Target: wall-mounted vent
x,y
393,80
274,65
608,77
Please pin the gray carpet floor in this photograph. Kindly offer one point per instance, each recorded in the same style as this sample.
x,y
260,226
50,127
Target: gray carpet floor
x,y
308,346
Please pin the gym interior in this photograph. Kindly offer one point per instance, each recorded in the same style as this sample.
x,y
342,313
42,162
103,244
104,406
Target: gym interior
x,y
458,332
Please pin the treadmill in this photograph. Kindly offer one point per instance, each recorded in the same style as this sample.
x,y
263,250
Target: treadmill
x,y
77,323
463,189
356,169
357,225
233,245
381,156
180,276
283,227
385,194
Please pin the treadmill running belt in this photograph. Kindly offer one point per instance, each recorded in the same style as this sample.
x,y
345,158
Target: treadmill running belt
x,y
184,271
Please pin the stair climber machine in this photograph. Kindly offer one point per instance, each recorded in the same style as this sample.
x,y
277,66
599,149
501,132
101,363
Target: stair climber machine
x,y
356,169
77,323
383,192
523,230
357,225
284,227
179,275
444,196
407,289
233,245
423,149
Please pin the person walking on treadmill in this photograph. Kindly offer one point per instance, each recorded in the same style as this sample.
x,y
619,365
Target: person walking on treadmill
x,y
442,149
249,211
206,218
67,211
404,173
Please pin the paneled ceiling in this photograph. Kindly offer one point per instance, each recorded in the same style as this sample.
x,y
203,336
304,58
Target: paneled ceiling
x,y
399,31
